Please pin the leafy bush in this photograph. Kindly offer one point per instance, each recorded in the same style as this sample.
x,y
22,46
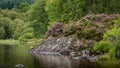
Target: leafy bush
x,y
103,46
9,20
112,53
19,29
26,36
117,23
2,33
113,36
6,23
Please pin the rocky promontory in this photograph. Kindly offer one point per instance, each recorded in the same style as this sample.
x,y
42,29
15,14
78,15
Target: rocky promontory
x,y
78,38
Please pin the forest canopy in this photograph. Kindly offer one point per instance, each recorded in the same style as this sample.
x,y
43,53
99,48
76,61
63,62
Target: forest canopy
x,y
34,17
11,3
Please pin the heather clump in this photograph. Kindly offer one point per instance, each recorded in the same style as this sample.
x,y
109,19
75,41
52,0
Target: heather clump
x,y
55,30
69,29
90,27
90,30
101,18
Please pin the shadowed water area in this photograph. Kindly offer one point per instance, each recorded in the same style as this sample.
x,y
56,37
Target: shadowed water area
x,y
12,55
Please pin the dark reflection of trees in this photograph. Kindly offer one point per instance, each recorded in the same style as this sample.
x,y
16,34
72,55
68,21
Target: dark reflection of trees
x,y
84,64
37,64
6,56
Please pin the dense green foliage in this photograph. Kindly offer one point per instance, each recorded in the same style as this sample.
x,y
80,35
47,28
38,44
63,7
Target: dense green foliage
x,y
73,10
19,29
67,10
44,13
113,36
112,44
6,24
38,18
23,7
12,22
103,46
105,6
2,32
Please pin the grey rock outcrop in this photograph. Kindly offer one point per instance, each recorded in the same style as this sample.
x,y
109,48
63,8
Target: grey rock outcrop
x,y
54,45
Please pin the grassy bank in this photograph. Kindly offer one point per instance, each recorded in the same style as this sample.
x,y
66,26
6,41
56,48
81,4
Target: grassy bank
x,y
9,41
31,42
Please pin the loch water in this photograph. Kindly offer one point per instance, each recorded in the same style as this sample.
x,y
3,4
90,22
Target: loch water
x,y
12,55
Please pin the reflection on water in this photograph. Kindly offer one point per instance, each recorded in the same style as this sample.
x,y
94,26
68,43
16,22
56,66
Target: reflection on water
x,y
59,61
11,55
54,61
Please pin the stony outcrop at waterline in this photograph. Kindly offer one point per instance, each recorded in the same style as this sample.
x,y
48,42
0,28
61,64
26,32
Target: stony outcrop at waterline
x,y
76,38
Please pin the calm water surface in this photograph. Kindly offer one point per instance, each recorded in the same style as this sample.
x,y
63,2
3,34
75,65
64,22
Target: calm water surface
x,y
11,55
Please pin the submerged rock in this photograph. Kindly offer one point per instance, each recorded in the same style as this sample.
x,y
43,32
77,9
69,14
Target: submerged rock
x,y
92,58
85,58
19,66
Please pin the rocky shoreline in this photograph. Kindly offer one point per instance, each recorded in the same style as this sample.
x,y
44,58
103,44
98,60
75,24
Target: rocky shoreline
x,y
63,46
